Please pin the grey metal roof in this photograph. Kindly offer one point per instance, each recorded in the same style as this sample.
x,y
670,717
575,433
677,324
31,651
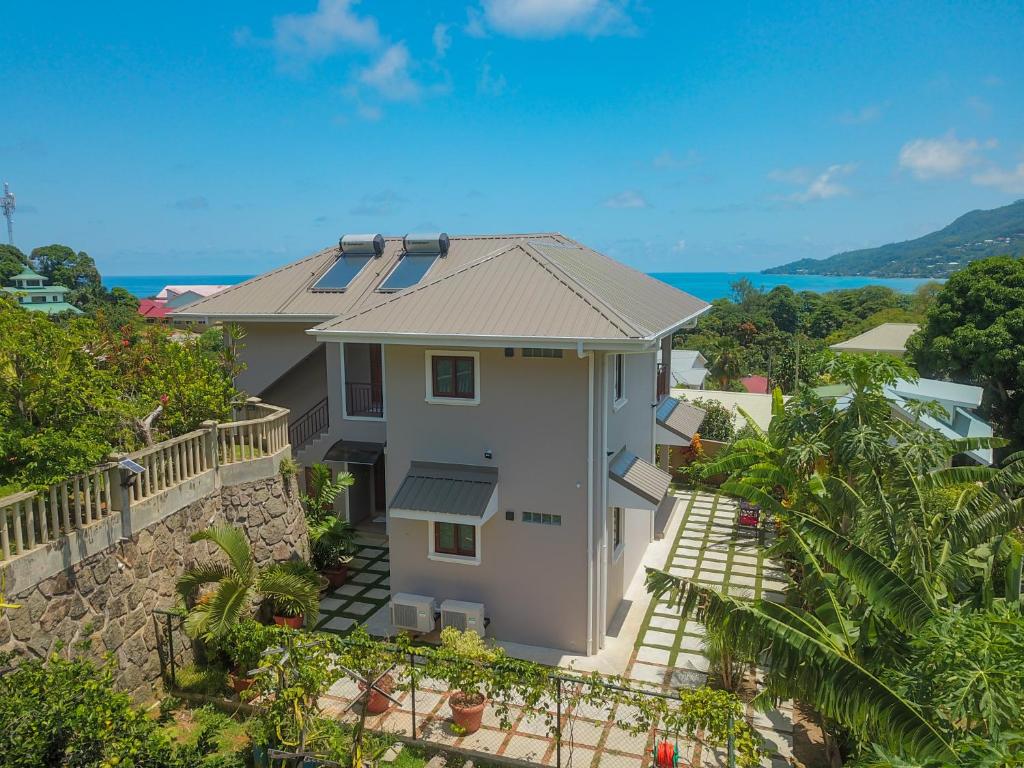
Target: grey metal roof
x,y
522,286
451,489
529,290
638,476
679,417
887,337
288,290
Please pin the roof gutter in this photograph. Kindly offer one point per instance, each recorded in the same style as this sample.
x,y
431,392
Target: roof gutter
x,y
265,317
481,340
680,324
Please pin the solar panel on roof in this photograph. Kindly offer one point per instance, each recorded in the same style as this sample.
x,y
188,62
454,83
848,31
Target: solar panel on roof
x,y
410,270
341,273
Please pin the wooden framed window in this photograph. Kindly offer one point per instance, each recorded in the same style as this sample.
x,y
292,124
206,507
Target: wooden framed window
x,y
453,376
455,539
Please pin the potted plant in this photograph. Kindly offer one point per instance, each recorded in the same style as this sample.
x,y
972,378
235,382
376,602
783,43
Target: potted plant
x,y
371,660
287,607
463,661
242,645
217,595
332,543
332,540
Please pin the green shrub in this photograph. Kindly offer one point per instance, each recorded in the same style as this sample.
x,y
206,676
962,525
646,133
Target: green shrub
x,y
65,712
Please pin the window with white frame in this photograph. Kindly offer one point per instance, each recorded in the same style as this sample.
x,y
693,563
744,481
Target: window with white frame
x,y
453,378
455,542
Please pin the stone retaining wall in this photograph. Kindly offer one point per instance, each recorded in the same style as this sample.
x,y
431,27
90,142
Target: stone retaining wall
x,y
106,601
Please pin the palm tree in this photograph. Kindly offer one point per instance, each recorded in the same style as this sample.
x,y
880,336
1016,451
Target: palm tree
x,y
234,587
815,654
331,539
727,365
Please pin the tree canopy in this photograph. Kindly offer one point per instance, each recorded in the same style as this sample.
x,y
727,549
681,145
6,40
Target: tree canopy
x,y
12,261
71,392
902,621
974,333
777,333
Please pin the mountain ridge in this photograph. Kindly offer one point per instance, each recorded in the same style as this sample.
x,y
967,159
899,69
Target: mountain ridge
x,y
974,235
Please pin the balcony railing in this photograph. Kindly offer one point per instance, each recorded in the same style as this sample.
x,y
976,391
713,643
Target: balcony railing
x,y
364,399
30,520
309,425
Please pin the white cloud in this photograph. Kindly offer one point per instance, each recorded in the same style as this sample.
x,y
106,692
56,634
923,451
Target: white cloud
x,y
489,83
475,23
825,186
817,186
935,158
628,199
552,18
1011,181
442,39
798,175
680,246
389,75
325,31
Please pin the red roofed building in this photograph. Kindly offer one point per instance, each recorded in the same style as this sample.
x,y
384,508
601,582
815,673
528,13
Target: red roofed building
x,y
154,310
756,384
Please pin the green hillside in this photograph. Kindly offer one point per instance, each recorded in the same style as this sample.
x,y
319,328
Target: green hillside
x,y
974,235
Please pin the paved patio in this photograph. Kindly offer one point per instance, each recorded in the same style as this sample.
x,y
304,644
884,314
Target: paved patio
x,y
664,653
366,591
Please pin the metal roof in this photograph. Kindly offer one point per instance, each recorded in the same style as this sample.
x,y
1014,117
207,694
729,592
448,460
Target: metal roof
x,y
887,337
432,488
526,290
517,286
638,476
288,291
679,417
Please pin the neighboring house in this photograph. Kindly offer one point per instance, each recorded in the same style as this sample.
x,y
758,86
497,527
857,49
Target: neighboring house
x,y
689,369
955,418
174,297
32,292
887,338
757,406
497,399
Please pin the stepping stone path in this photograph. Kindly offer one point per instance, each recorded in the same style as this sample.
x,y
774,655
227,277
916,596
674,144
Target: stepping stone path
x,y
669,650
365,592
668,655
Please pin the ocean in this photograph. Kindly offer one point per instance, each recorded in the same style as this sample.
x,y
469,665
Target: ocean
x,y
705,285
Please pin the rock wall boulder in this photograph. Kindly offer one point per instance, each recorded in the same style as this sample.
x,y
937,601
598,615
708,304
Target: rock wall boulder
x,y
104,606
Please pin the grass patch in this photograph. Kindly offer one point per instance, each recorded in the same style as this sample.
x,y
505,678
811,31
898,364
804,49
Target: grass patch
x,y
209,681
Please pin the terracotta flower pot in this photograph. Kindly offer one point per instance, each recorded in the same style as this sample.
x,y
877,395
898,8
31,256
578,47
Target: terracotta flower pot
x,y
466,714
336,576
239,682
295,622
379,703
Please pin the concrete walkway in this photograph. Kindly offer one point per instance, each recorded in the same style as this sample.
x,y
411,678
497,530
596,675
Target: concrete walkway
x,y
653,647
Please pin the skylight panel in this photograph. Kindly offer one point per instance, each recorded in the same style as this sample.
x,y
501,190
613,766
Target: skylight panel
x,y
411,268
342,272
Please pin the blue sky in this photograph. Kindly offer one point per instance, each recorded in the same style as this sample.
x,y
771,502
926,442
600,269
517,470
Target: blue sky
x,y
231,137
